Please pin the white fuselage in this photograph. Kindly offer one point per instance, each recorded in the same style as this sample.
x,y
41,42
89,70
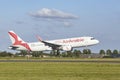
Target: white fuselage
x,y
66,44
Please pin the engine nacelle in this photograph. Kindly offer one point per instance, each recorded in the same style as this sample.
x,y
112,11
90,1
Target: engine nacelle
x,y
66,48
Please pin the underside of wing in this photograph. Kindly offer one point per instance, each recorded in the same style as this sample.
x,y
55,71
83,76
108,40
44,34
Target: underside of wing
x,y
54,46
57,46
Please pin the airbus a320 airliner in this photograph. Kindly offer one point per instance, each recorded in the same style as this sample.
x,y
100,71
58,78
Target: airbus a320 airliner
x,y
59,44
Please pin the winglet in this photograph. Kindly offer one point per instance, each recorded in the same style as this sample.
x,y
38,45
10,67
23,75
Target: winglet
x,y
39,38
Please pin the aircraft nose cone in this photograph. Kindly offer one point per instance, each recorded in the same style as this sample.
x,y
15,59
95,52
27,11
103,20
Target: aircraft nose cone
x,y
97,41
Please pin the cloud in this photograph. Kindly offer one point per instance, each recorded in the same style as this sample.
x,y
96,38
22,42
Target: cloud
x,y
68,24
46,13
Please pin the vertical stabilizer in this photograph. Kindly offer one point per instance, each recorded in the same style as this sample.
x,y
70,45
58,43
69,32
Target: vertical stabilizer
x,y
15,38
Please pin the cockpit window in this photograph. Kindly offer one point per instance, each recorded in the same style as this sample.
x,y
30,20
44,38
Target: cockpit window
x,y
92,38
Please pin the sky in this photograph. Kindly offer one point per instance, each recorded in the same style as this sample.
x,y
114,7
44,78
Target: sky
x,y
56,19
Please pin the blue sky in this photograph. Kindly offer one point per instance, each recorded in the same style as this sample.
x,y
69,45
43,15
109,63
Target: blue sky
x,y
61,19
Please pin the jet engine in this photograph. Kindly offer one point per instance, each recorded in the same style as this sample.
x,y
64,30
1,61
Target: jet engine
x,y
66,48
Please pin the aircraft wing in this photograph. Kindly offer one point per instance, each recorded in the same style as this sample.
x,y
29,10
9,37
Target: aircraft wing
x,y
54,46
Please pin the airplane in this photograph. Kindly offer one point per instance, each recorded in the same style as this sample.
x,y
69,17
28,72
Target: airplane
x,y
45,45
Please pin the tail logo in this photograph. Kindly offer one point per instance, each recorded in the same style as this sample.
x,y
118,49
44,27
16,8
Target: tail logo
x,y
18,41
